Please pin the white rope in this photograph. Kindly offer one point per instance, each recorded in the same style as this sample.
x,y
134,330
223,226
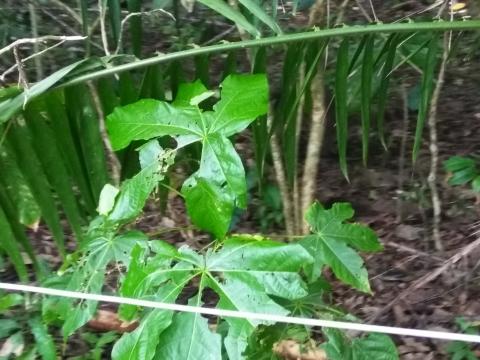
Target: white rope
x,y
245,314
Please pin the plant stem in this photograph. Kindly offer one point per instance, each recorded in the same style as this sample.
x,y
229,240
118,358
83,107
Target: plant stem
x,y
287,205
315,143
115,166
36,48
432,124
281,40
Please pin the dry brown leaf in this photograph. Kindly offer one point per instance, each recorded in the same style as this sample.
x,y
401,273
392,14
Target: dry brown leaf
x,y
106,320
291,350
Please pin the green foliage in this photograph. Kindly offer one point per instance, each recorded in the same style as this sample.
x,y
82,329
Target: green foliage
x,y
463,170
211,193
459,350
373,346
245,272
22,327
333,241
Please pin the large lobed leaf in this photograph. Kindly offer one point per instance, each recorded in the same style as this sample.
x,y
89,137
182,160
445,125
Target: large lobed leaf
x,y
212,192
243,273
333,242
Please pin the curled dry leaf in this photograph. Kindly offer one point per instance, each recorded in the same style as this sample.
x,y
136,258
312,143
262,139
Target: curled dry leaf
x,y
106,320
291,350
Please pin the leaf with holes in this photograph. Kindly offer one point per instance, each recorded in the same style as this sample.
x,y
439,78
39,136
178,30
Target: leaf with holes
x,y
245,273
218,186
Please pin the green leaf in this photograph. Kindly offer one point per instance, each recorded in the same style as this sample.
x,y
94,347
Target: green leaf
x,y
331,244
9,300
20,142
17,228
257,11
341,104
7,326
189,338
134,192
252,269
230,13
366,94
187,92
476,184
150,118
52,163
66,140
86,124
219,184
107,199
243,99
374,346
89,273
201,195
385,76
141,343
463,169
45,343
427,89
244,272
11,106
16,188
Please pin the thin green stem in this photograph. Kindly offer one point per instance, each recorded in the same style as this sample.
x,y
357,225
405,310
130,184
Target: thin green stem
x,y
280,40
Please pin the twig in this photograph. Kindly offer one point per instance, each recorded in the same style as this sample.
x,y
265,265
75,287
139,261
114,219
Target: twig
x,y
219,36
22,76
68,27
103,30
413,251
432,124
140,13
427,278
14,66
363,11
373,11
40,39
68,9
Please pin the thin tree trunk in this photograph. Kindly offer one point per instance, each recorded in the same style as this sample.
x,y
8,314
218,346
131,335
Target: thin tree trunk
x,y
36,46
432,124
315,143
281,180
317,127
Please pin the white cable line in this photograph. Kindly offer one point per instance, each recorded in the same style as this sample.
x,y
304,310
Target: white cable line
x,y
245,314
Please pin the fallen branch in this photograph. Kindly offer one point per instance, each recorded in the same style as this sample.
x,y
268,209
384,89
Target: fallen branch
x,y
427,278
